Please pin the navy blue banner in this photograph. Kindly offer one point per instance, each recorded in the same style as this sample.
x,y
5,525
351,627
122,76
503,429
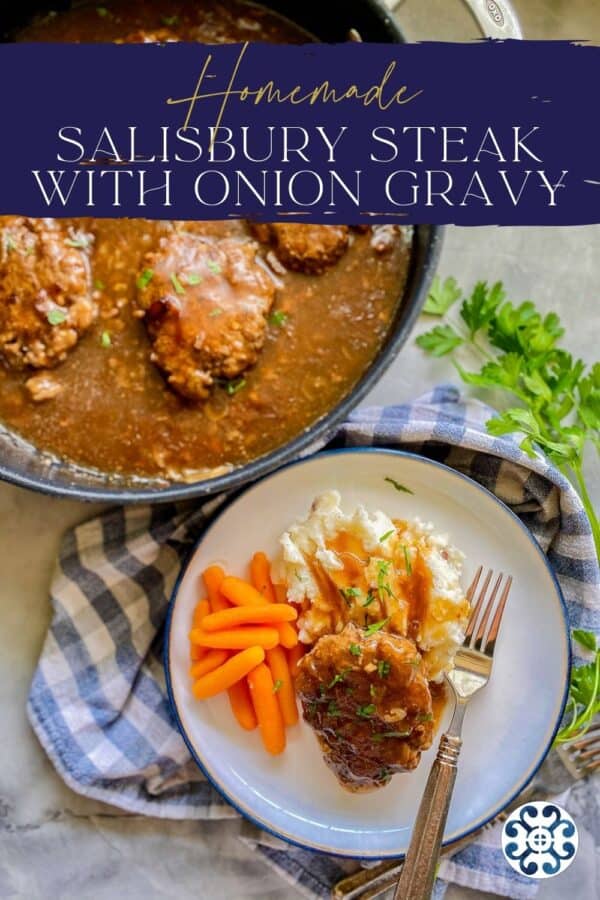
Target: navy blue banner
x,y
472,134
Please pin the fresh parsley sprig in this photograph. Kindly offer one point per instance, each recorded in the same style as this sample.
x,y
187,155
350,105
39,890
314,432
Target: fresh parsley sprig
x,y
556,409
556,399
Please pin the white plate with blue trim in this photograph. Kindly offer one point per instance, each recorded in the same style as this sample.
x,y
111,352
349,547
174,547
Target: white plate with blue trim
x,y
509,726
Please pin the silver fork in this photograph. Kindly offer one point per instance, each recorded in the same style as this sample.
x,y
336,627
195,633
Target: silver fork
x,y
472,670
582,756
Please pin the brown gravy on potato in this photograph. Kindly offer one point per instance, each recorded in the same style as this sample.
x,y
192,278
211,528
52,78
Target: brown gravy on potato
x,y
107,405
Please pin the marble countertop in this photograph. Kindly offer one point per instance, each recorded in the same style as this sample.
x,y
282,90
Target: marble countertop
x,y
56,844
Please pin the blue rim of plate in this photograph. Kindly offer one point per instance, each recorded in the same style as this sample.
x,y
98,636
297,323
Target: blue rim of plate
x,y
247,814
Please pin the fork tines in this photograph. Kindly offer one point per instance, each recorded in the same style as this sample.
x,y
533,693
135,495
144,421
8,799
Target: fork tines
x,y
479,635
582,756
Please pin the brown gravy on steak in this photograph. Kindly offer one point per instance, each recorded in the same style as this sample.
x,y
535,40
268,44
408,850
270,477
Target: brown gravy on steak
x,y
114,410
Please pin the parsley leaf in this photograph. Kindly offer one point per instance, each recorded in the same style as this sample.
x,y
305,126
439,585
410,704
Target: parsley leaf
x,y
385,536
440,341
56,316
442,296
366,711
193,278
234,386
398,486
375,627
478,311
355,649
350,594
179,288
145,278
278,318
105,339
277,685
587,639
383,668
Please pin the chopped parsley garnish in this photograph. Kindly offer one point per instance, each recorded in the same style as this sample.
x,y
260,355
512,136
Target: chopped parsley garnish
x,y
384,774
193,278
425,717
349,594
179,288
354,649
9,243
213,266
145,279
56,316
105,340
333,709
339,676
385,536
102,12
99,285
80,242
365,712
278,318
169,20
370,597
215,312
321,690
407,560
389,734
398,486
234,386
383,668
277,685
376,626
383,586
372,691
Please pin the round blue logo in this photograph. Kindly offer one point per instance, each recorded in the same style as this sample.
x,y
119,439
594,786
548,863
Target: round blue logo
x,y
539,840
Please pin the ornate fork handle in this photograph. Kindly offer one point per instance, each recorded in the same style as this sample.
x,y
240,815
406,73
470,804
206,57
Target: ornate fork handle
x,y
418,873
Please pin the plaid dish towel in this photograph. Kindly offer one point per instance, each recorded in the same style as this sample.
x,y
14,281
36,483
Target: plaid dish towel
x,y
98,702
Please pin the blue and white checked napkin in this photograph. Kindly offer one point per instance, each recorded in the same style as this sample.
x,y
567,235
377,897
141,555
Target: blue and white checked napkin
x,y
98,702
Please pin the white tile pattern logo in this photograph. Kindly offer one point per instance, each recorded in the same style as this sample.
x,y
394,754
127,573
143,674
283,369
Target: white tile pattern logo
x,y
539,840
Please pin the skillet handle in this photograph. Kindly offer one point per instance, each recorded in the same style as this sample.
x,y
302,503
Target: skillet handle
x,y
496,18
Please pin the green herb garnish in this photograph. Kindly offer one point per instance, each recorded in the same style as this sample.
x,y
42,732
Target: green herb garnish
x,y
333,709
584,691
277,685
425,717
441,297
102,11
234,386
376,626
278,318
56,316
213,266
105,340
193,278
354,649
407,560
370,597
169,20
80,242
384,774
383,586
215,312
558,398
349,594
99,285
145,279
390,734
9,243
366,711
385,536
179,288
398,486
337,678
383,668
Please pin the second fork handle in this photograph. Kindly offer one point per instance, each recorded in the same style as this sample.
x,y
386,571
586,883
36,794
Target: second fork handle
x,y
418,872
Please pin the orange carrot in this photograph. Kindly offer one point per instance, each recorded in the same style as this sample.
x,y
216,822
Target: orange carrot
x,y
240,593
283,685
260,575
249,615
201,611
294,656
237,638
288,636
212,659
221,679
241,705
213,578
267,710
196,652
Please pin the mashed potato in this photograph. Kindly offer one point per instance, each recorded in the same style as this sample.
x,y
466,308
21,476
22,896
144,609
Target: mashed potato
x,y
365,568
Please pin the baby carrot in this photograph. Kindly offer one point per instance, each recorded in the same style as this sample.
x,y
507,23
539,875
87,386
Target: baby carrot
x,y
294,656
212,659
249,615
196,652
237,638
283,686
241,705
267,710
260,575
288,636
213,578
229,673
201,611
240,593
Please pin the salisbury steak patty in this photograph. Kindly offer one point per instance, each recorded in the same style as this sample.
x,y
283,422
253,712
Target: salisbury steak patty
x,y
369,704
305,248
45,295
205,304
